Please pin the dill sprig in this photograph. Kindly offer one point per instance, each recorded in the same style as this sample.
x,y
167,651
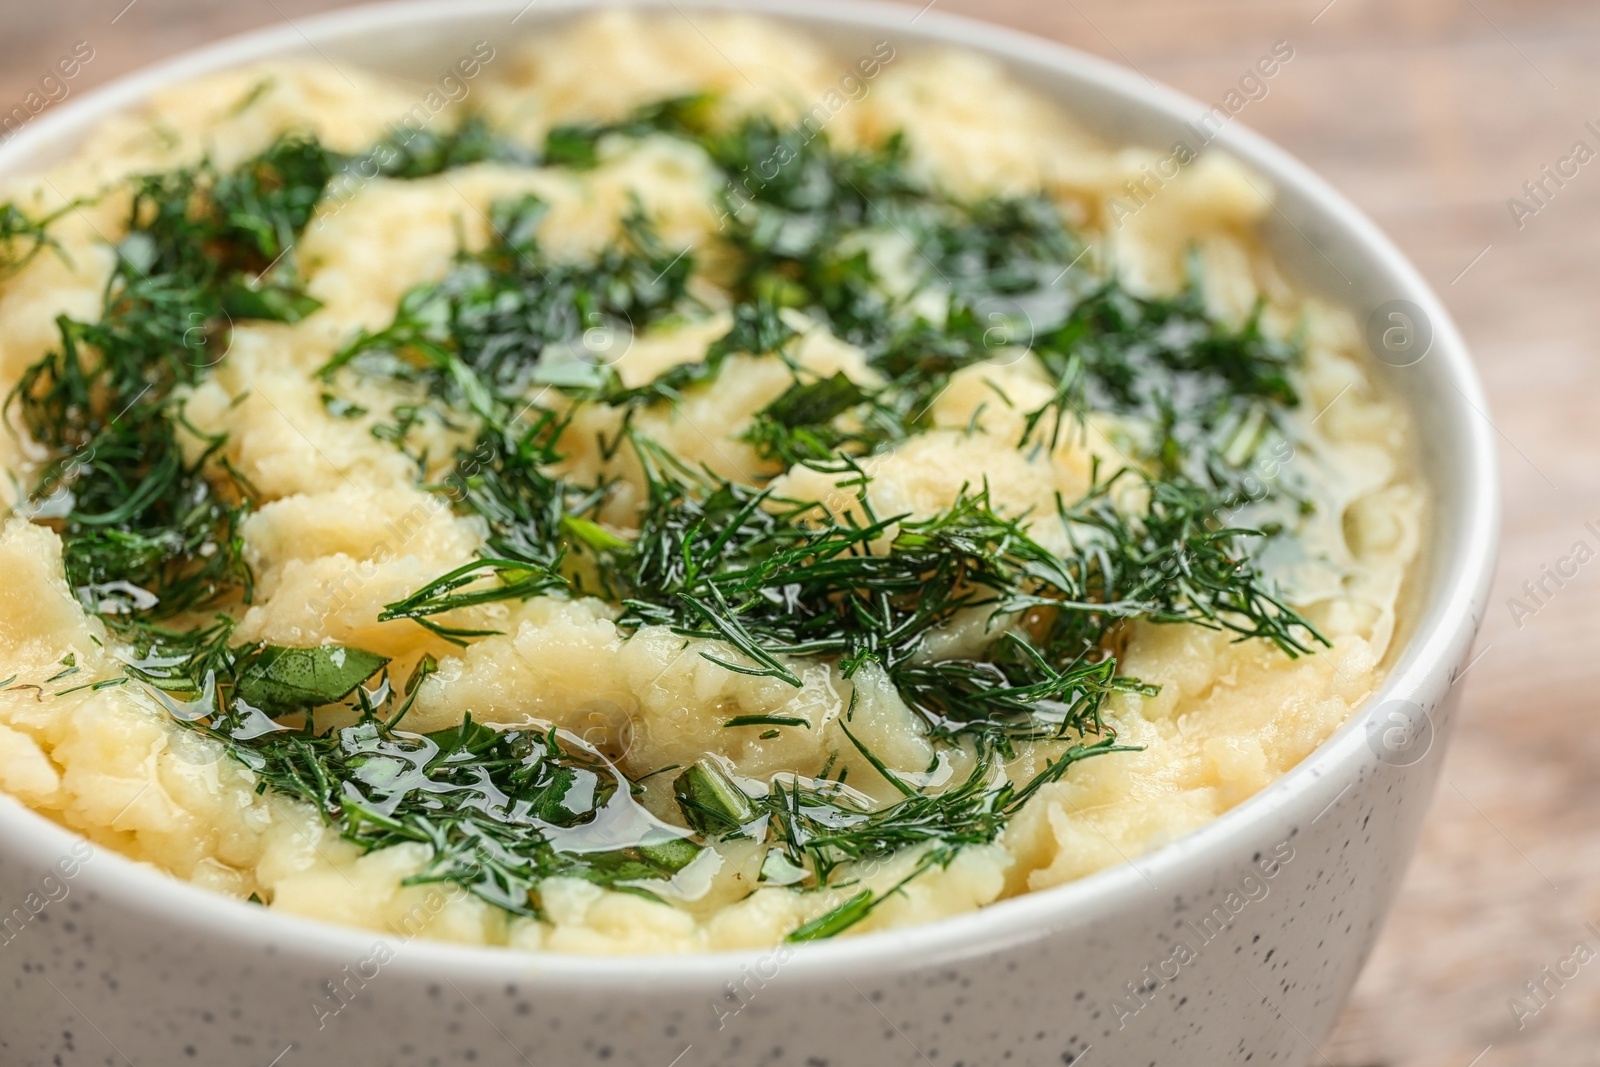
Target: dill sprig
x,y
480,337
819,827
1006,271
779,579
823,826
804,425
423,153
148,535
501,810
23,237
1179,564
152,545
577,144
151,539
463,587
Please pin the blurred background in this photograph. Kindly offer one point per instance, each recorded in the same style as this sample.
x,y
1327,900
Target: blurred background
x,y
1431,115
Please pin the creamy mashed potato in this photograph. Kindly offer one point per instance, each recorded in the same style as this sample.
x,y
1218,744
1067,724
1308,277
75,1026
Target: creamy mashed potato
x,y
344,522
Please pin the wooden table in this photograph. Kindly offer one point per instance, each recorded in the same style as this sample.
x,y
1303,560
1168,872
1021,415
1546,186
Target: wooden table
x,y
1429,114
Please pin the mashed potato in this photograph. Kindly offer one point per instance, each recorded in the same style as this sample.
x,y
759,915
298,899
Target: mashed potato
x,y
345,522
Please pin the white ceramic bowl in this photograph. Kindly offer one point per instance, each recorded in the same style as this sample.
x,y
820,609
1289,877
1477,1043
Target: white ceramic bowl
x,y
132,966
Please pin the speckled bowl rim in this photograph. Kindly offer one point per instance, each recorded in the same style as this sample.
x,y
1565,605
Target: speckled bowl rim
x,y
1438,643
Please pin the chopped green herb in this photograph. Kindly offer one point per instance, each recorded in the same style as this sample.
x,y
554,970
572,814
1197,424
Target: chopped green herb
x,y
711,802
277,303
104,683
577,145
279,680
514,580
69,666
836,920
422,153
767,720
152,543
22,237
501,810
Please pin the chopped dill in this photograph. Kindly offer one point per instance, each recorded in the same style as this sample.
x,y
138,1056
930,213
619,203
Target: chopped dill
x,y
577,144
514,580
512,343
22,237
500,810
767,720
422,153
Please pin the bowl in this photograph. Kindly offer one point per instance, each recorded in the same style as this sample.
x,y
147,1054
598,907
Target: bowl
x,y
1239,941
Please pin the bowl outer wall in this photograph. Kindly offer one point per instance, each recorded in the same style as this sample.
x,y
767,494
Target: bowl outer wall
x,y
1094,935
